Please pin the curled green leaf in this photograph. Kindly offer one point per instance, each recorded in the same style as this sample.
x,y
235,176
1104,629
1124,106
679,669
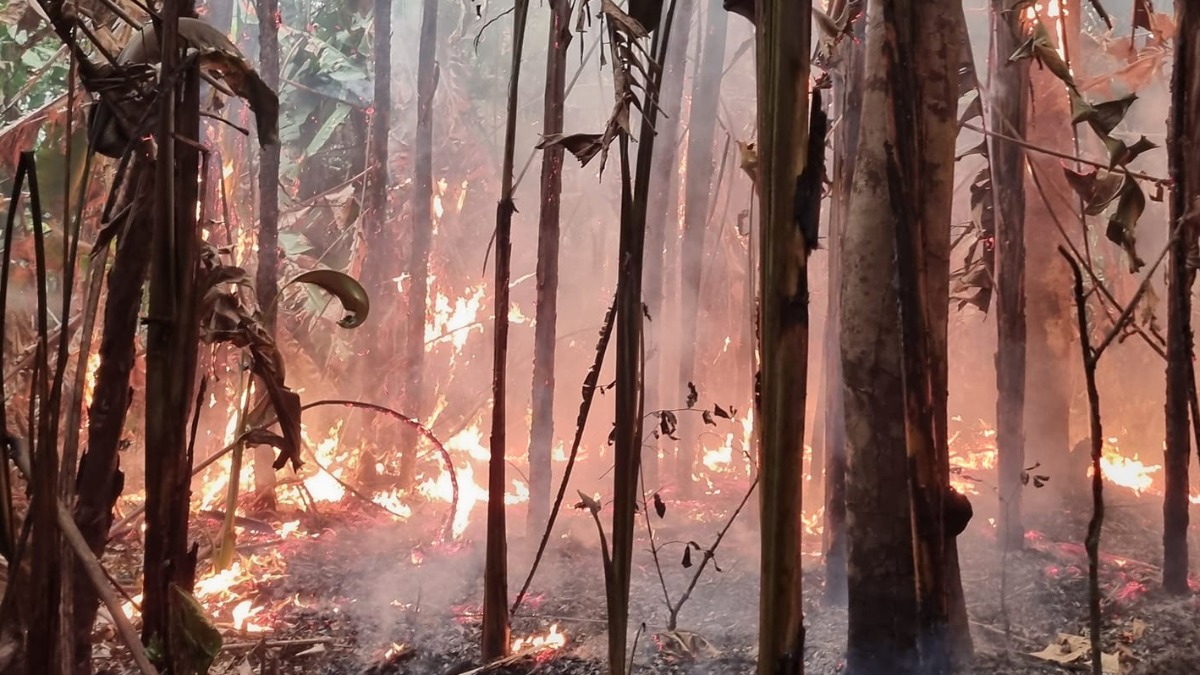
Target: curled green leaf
x,y
351,294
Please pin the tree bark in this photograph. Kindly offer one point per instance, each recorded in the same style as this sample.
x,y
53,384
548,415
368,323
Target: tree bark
x,y
266,277
882,633
791,166
702,124
1182,149
100,477
541,434
172,344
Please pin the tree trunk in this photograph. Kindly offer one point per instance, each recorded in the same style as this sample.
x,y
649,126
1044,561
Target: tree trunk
x,y
495,580
1182,149
171,347
882,633
847,88
662,222
266,278
100,478
418,258
541,435
706,91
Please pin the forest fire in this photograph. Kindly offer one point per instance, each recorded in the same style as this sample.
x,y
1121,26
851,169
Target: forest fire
x,y
551,640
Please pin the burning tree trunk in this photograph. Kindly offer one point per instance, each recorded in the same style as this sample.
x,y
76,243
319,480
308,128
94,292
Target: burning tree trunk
x,y
541,435
100,478
1008,81
495,579
706,90
661,223
1185,200
172,342
847,92
266,278
791,168
882,633
422,239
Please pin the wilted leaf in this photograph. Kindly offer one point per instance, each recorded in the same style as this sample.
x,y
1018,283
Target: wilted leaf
x,y
687,557
1120,154
660,507
980,149
692,395
588,502
1049,57
583,146
351,294
1122,225
708,418
646,12
721,412
1103,117
1097,188
668,423
263,437
624,22
195,641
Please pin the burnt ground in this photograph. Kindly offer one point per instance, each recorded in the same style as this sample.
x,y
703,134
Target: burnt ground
x,y
355,593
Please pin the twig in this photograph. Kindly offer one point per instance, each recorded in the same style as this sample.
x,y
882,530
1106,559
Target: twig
x,y
633,650
1071,158
1092,542
1133,302
653,547
95,571
299,642
213,116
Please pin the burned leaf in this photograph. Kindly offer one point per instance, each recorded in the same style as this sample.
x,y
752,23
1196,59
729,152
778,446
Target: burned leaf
x,y
612,435
646,311
1096,188
1102,117
346,289
668,424
706,415
687,557
263,437
1040,480
1122,225
660,507
583,146
622,21
721,412
693,395
1120,154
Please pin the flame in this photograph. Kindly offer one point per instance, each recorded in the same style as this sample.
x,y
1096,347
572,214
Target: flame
x,y
242,612
89,384
1130,472
553,640
454,320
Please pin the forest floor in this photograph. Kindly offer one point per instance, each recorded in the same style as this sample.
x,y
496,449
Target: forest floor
x,y
355,593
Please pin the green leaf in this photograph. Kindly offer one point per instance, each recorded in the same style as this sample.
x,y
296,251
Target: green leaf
x,y
331,123
195,641
351,293
1122,225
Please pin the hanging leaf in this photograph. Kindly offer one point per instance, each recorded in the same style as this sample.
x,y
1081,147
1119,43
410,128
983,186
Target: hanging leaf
x,y
623,22
980,149
1102,117
587,502
687,557
1122,225
692,395
343,286
660,507
583,146
721,412
708,418
195,642
331,123
1120,154
668,423
1049,57
646,12
1097,188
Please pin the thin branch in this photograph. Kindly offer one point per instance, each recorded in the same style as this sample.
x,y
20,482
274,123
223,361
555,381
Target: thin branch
x,y
1062,155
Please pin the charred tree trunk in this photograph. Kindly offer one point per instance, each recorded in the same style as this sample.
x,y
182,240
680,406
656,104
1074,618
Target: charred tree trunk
x,y
495,579
100,478
1182,153
662,210
422,239
266,278
791,168
541,435
172,342
882,634
847,91
1008,82
706,91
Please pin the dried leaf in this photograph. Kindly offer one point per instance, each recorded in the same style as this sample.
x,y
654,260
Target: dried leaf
x,y
693,395
687,557
194,639
1097,188
351,294
1120,154
1102,117
583,146
1122,225
660,507
623,22
721,412
668,424
646,12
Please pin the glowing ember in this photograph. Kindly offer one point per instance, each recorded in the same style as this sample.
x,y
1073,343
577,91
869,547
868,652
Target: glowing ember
x,y
551,641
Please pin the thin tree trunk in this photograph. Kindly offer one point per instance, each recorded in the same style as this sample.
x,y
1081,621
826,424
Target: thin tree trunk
x,y
100,478
662,209
171,347
495,579
882,633
847,88
266,278
422,239
1184,163
706,91
541,435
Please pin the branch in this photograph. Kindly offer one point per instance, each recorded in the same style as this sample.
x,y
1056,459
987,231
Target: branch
x,y
1062,155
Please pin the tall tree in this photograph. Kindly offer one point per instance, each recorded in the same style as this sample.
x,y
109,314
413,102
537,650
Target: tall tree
x,y
1183,155
790,175
541,434
702,125
266,277
422,237
495,580
172,342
